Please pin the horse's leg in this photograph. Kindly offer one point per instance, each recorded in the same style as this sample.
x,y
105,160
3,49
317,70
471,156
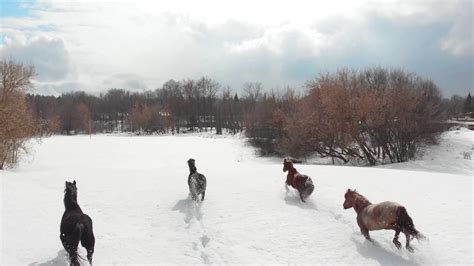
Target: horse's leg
x,y
62,236
90,253
192,193
88,242
407,246
395,238
203,195
363,229
365,233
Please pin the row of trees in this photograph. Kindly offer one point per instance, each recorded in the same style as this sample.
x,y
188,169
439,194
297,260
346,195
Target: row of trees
x,y
179,105
373,115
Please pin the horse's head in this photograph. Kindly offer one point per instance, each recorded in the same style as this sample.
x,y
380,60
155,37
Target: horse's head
x,y
70,189
287,165
350,198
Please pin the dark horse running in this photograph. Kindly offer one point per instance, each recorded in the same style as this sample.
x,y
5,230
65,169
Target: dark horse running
x,y
197,182
302,183
75,226
384,215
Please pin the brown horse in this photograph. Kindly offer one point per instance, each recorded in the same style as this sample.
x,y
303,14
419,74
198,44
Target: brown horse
x,y
302,183
384,215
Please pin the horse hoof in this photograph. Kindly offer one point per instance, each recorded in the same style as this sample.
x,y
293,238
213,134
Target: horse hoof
x,y
410,249
398,245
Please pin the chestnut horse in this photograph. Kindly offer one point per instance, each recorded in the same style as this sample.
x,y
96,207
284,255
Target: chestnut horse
x,y
385,215
302,183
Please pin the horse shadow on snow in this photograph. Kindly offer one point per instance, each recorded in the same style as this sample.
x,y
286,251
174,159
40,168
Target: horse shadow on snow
x,y
376,252
60,260
190,208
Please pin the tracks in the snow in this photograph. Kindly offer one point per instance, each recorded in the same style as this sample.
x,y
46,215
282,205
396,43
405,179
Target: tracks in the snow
x,y
293,199
193,219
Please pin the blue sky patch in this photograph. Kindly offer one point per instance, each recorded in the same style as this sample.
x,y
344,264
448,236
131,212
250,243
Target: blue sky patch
x,y
15,8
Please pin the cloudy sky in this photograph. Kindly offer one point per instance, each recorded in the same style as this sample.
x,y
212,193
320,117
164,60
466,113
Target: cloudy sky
x,y
138,45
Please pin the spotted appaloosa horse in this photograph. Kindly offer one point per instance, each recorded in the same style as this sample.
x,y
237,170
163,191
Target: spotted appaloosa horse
x,y
197,182
384,215
302,183
75,226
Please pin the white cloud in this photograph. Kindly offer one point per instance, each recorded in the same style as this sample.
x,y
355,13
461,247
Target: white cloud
x,y
456,13
279,40
48,55
236,41
459,40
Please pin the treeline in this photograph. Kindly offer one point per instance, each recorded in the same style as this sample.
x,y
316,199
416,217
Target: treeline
x,y
188,105
375,115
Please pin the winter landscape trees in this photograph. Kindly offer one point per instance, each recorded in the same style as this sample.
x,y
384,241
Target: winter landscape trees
x,y
373,115
16,122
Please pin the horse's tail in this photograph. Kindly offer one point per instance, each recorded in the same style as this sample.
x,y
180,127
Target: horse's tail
x,y
308,188
406,224
75,235
194,186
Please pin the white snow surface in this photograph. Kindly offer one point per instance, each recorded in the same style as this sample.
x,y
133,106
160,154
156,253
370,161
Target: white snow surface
x,y
135,190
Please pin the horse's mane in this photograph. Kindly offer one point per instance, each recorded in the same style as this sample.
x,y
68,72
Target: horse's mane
x,y
192,169
192,166
359,198
290,164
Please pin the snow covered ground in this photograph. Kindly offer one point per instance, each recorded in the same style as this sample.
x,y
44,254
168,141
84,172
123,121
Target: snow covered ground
x,y
135,190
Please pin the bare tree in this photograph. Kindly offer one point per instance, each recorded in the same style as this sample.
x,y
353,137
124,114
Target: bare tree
x,y
16,122
372,115
253,91
83,118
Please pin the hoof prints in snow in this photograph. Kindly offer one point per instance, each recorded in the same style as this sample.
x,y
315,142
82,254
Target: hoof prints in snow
x,y
193,223
204,240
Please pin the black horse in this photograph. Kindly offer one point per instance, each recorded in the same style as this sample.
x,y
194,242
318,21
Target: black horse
x,y
197,182
75,226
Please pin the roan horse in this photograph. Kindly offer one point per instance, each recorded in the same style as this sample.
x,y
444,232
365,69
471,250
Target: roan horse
x,y
75,226
302,183
384,215
197,182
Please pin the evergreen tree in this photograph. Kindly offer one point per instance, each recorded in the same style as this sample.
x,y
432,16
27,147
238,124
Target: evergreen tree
x,y
468,104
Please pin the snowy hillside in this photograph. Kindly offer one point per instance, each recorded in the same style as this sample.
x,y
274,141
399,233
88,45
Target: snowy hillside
x,y
135,190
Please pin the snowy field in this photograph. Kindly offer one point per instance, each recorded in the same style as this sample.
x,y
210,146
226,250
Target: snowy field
x,y
135,190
